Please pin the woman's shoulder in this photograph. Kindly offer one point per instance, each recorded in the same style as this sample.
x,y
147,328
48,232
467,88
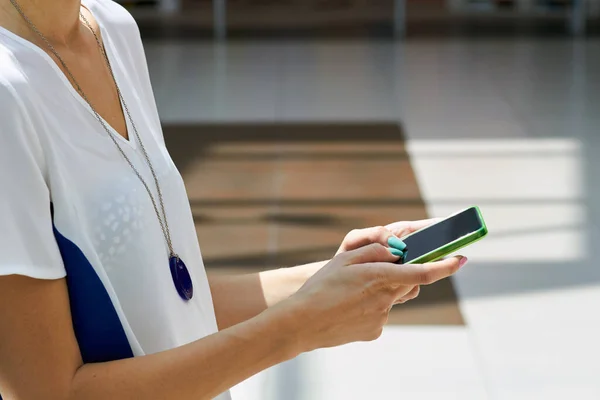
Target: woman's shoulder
x,y
120,28
15,126
15,82
10,101
111,15
16,133
17,62
12,80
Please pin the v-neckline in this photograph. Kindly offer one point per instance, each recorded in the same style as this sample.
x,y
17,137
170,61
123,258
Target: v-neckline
x,y
106,41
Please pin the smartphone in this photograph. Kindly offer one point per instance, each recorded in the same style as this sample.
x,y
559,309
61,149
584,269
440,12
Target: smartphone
x,y
445,237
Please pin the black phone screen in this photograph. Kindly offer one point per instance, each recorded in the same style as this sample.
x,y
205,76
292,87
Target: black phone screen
x,y
440,234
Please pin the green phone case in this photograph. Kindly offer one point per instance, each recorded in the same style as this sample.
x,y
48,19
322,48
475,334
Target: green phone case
x,y
455,245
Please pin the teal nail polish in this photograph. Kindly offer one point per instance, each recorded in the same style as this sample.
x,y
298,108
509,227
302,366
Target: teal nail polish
x,y
395,242
396,252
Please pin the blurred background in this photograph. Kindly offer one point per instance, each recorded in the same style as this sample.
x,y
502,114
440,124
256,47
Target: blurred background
x,y
294,121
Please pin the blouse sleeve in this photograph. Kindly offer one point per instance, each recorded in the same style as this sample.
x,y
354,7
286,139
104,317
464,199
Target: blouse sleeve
x,y
27,243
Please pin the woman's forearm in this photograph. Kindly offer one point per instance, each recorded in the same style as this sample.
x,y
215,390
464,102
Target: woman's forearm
x,y
238,298
200,370
281,283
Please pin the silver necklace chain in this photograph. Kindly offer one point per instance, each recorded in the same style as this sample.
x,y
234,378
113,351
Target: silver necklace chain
x,y
163,224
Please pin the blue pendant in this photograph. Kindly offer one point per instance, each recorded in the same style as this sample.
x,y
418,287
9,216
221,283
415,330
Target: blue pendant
x,y
181,278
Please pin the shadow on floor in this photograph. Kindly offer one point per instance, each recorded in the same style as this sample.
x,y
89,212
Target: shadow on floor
x,y
286,194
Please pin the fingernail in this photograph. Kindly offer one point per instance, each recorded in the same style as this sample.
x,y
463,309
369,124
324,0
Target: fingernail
x,y
396,252
395,242
462,262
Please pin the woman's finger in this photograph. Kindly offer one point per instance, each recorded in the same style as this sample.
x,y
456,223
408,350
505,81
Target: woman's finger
x,y
363,237
394,275
372,253
404,297
404,228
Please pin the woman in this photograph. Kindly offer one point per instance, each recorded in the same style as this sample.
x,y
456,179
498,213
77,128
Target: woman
x,y
103,293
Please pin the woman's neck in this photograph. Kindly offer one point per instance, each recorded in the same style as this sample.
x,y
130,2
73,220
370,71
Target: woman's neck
x,y
57,20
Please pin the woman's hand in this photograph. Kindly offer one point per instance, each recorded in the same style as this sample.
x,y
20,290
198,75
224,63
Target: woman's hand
x,y
268,288
350,298
389,235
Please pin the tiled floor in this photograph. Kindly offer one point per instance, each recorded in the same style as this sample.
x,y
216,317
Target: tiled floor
x,y
510,125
